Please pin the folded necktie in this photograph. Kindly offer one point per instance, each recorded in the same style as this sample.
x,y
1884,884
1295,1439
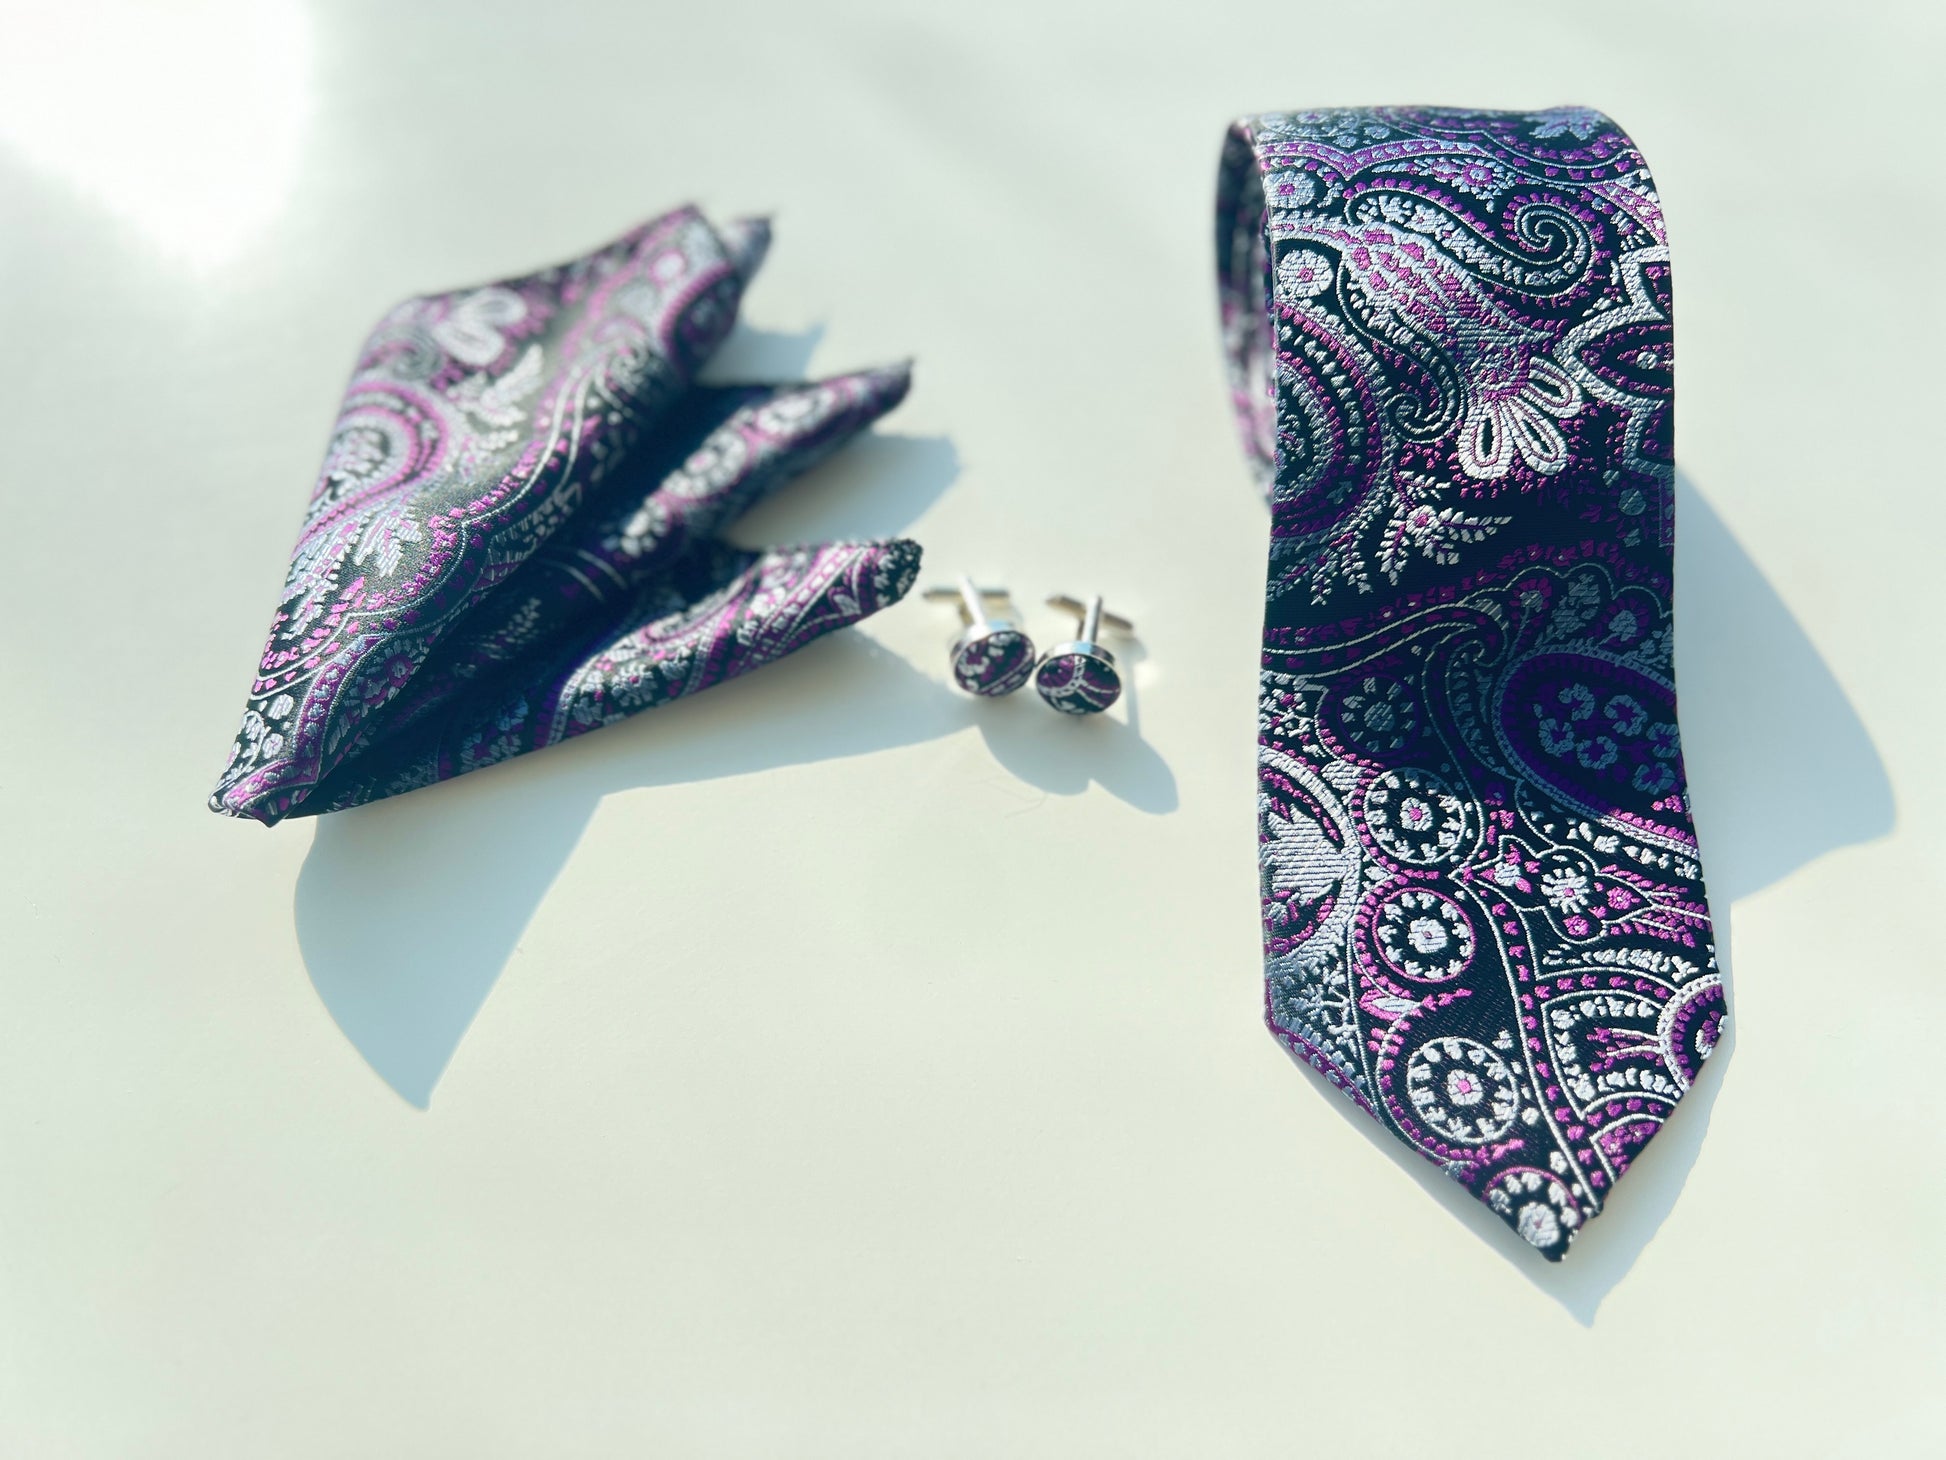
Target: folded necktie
x,y
514,537
1484,916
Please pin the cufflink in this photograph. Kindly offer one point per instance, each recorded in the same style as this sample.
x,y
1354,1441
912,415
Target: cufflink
x,y
1079,677
992,657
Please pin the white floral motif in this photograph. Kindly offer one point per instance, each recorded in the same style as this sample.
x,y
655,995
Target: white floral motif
x,y
1566,888
1437,532
1462,1090
1424,935
1512,393
1538,1225
1414,816
470,332
1582,121
1338,126
1303,273
1475,175
1293,188
1427,935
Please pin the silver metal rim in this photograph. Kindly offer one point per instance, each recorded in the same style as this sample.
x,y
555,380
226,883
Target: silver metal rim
x,y
1083,648
987,630
980,635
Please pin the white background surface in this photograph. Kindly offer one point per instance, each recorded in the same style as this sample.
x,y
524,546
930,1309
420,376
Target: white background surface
x,y
859,1071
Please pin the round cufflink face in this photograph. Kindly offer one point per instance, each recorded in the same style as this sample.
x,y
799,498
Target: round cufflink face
x,y
1078,679
995,661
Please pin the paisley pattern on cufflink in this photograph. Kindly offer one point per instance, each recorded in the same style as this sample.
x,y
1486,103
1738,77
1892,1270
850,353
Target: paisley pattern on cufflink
x,y
1078,683
996,662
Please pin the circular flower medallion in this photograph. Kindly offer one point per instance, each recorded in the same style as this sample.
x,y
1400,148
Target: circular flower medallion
x,y
1376,715
1303,273
1462,1090
1424,935
1414,817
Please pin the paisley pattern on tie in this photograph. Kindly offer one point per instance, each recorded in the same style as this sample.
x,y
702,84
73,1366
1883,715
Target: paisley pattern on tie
x,y
1484,914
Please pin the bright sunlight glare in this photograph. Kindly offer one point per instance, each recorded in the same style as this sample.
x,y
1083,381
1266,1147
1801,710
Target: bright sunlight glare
x,y
183,118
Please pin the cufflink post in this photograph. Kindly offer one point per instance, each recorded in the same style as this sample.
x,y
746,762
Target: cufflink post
x,y
1091,614
1080,677
972,599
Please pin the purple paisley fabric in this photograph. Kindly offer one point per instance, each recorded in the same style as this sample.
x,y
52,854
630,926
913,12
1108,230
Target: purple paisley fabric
x,y
514,537
1484,914
995,663
1077,684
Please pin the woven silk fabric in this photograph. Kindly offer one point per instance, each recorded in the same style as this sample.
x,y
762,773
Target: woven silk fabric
x,y
1484,913
512,540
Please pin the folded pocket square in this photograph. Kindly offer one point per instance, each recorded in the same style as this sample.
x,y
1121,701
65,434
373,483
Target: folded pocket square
x,y
514,536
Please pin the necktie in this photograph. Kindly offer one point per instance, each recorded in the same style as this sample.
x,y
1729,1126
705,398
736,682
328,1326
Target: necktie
x,y
513,540
1484,915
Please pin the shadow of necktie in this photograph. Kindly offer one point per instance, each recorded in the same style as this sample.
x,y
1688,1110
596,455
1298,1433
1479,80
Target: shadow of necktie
x,y
407,910
1781,771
